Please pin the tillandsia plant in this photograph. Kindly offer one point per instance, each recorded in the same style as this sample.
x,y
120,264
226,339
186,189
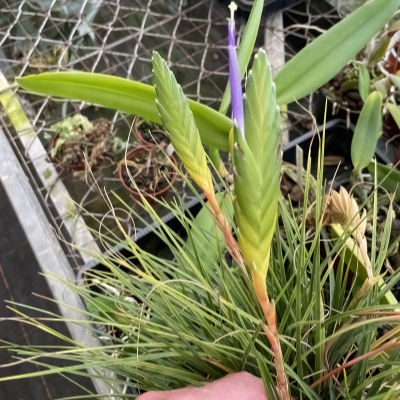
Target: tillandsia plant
x,y
195,315
75,138
256,140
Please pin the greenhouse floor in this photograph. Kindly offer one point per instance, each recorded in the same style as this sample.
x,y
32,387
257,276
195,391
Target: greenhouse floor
x,y
20,281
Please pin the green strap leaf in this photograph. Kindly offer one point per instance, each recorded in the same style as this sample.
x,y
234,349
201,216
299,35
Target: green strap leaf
x,y
257,167
367,131
125,95
179,121
322,59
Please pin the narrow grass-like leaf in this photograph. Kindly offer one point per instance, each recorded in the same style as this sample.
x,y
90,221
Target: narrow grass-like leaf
x,y
387,176
367,131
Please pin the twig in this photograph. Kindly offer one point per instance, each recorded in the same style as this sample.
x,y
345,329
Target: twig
x,y
379,350
226,230
271,331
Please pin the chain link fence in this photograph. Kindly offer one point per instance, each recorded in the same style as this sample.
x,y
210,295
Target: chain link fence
x,y
118,37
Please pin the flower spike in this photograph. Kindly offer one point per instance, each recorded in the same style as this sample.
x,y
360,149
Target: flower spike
x,y
182,130
257,164
234,73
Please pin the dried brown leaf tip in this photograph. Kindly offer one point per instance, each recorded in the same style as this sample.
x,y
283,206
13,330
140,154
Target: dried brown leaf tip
x,y
343,209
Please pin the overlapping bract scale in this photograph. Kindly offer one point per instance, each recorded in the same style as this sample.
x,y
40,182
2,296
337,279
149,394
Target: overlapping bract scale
x,y
257,167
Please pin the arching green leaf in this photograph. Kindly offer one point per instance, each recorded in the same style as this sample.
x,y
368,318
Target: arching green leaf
x,y
125,95
322,59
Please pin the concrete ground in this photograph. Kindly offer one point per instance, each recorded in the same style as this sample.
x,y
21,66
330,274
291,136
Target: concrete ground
x,y
19,281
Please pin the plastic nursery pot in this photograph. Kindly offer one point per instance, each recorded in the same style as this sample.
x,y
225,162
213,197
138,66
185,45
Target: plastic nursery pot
x,y
95,144
140,155
150,136
337,165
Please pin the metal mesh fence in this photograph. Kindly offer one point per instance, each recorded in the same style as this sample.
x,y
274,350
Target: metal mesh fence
x,y
117,37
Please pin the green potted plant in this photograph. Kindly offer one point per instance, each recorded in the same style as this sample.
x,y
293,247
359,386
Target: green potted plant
x,y
75,138
375,69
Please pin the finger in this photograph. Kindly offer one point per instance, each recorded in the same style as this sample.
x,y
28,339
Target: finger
x,y
239,386
187,393
153,396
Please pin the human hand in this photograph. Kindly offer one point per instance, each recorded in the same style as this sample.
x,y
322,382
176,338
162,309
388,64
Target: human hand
x,y
239,386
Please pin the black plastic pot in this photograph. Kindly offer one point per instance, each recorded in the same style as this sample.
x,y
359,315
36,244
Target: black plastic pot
x,y
338,137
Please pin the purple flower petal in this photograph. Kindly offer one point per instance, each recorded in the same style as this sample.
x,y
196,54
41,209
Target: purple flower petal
x,y
234,74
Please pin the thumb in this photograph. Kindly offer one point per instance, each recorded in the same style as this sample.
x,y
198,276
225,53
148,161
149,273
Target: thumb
x,y
152,396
